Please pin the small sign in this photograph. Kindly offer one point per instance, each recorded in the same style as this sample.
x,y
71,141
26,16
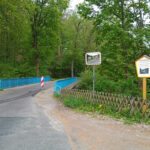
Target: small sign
x,y
93,58
143,67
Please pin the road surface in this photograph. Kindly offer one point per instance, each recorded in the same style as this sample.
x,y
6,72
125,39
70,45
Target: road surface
x,y
32,119
23,123
93,61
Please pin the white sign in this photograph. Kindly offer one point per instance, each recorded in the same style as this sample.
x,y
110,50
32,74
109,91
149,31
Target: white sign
x,y
143,67
93,58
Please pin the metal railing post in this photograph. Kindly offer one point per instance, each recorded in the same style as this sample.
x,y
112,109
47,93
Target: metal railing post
x,y
0,84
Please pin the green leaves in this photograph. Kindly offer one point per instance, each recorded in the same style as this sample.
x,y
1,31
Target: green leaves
x,y
29,30
121,36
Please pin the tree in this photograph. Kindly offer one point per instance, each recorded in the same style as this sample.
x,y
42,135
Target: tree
x,y
13,33
45,27
76,39
29,36
118,38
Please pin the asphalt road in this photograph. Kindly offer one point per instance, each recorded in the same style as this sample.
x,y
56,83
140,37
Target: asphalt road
x,y
23,124
93,62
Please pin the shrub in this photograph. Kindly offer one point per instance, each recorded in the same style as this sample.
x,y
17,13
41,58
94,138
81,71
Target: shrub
x,y
103,84
86,80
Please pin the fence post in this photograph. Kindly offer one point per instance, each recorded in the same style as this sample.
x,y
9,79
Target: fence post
x,y
0,84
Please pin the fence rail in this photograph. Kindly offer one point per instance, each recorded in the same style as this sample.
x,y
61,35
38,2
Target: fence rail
x,y
8,83
120,103
58,85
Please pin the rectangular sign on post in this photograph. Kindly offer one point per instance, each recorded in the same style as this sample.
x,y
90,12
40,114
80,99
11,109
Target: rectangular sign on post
x,y
93,58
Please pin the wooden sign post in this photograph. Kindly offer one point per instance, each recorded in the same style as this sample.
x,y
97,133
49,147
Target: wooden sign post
x,y
144,89
143,71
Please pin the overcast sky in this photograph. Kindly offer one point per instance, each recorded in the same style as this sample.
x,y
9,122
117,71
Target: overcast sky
x,y
73,3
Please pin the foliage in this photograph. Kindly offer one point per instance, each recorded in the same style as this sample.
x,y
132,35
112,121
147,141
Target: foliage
x,y
76,38
40,38
86,106
29,36
105,84
122,28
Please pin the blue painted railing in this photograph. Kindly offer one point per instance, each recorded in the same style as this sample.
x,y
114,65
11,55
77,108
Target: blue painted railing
x,y
8,83
58,85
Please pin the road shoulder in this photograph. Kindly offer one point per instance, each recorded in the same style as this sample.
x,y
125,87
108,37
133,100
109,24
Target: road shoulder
x,y
85,132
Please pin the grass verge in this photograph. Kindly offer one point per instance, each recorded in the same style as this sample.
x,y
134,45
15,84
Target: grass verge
x,y
85,106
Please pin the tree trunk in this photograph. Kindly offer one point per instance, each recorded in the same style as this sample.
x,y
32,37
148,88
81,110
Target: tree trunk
x,y
37,64
36,55
123,43
72,68
75,48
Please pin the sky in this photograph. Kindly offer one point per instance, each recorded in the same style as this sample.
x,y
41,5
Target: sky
x,y
73,3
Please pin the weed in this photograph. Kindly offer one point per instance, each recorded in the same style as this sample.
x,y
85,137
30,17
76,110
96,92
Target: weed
x,y
86,106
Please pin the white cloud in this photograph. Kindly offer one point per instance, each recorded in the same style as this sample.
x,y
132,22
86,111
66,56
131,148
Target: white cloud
x,y
73,3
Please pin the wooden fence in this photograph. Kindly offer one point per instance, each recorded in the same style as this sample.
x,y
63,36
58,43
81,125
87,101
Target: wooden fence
x,y
119,102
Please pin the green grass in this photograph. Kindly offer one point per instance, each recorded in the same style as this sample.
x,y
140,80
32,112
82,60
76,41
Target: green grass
x,y
84,106
1,89
57,95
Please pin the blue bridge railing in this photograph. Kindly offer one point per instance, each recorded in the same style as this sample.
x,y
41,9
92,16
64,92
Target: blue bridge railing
x,y
58,85
8,83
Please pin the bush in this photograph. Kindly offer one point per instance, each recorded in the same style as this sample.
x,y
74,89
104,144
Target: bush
x,y
103,84
86,80
86,106
128,87
7,71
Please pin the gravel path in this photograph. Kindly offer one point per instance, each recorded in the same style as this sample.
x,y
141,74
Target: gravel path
x,y
85,132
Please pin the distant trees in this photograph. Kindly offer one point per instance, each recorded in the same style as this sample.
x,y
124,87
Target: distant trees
x,y
37,37
122,35
14,29
45,23
76,39
29,35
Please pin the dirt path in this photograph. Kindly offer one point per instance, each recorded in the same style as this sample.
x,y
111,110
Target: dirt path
x,y
87,133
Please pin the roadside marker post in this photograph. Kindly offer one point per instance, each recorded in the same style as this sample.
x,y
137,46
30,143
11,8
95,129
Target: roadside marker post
x,y
42,81
93,59
143,71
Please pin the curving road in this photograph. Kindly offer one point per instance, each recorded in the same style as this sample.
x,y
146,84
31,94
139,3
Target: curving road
x,y
23,124
32,119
